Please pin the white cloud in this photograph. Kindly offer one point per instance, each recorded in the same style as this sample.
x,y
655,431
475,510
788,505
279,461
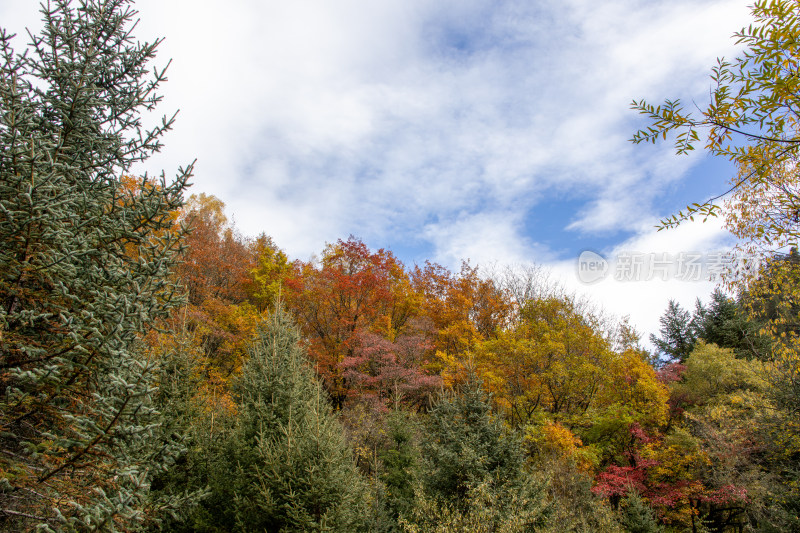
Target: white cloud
x,y
434,123
484,238
378,128
645,300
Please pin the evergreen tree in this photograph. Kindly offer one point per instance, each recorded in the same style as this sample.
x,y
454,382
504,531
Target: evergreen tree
x,y
719,324
676,334
185,418
637,517
466,445
400,464
474,471
698,319
84,263
286,465
725,323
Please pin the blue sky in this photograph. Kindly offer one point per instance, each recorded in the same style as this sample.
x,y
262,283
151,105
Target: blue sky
x,y
495,131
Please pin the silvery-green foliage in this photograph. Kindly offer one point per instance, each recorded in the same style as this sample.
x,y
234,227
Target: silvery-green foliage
x,y
84,261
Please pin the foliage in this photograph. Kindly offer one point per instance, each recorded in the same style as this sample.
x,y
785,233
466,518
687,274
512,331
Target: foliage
x,y
473,470
84,267
305,474
728,324
552,442
284,464
187,418
108,425
463,309
465,445
218,263
351,291
386,445
677,335
707,466
269,274
216,272
521,511
556,364
751,120
550,361
389,373
572,505
773,300
637,517
401,462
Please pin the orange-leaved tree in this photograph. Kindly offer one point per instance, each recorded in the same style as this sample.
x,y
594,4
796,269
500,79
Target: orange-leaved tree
x,y
351,290
463,310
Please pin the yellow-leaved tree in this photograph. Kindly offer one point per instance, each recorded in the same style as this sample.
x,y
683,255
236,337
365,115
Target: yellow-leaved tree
x,y
753,119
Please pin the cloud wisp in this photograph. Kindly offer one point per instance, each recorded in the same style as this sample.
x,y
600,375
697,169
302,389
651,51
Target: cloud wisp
x,y
445,128
314,121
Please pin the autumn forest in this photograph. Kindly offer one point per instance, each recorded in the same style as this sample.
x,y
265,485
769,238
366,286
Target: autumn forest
x,y
161,371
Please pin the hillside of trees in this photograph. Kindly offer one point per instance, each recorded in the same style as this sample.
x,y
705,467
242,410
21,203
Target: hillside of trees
x,y
160,371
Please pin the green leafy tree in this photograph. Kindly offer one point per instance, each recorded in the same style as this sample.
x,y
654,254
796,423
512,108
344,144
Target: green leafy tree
x,y
774,300
720,461
84,264
751,120
712,371
488,512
